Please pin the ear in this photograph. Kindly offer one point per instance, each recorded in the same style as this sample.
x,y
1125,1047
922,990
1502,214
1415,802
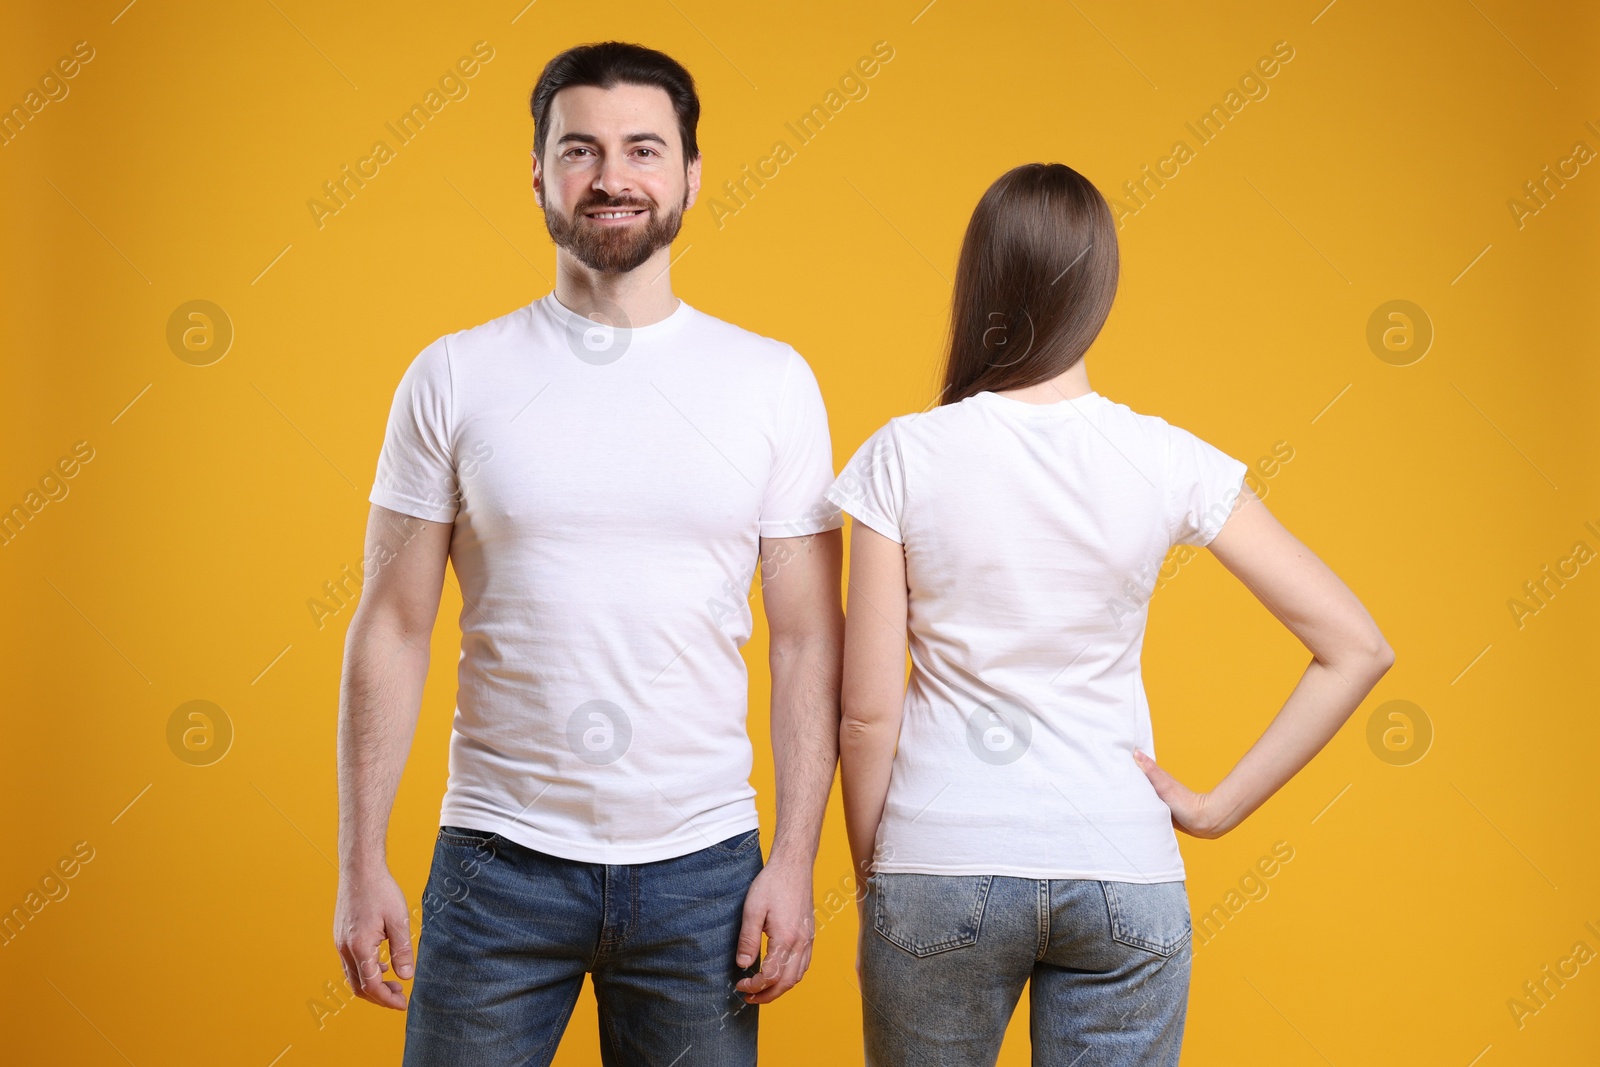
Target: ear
x,y
694,182
538,180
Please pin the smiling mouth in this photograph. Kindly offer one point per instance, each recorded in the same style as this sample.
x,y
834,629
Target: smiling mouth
x,y
612,214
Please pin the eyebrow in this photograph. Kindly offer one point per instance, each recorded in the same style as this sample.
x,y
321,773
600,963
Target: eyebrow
x,y
632,138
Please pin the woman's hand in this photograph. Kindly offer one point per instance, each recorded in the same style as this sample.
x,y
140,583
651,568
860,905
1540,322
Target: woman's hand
x,y
1196,814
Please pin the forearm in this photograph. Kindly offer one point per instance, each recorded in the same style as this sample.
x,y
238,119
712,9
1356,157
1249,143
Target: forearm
x,y
1324,698
866,756
379,700
805,741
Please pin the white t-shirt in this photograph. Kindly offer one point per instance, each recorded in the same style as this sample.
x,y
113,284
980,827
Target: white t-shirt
x,y
1033,534
608,490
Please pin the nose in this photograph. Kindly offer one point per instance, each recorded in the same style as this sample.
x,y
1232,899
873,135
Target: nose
x,y
612,178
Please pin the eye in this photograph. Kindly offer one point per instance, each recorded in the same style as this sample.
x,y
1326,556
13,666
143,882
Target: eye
x,y
652,151
572,150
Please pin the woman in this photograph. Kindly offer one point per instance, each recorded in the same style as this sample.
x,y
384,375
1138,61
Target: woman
x,y
1021,832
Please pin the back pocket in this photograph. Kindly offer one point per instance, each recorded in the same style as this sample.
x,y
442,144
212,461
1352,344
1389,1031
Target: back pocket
x,y
1153,916
929,913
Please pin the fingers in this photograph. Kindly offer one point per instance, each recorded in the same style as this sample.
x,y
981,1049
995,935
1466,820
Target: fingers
x,y
398,931
788,959
749,945
364,967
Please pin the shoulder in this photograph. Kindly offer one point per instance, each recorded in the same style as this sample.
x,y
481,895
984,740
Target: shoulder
x,y
747,349
511,328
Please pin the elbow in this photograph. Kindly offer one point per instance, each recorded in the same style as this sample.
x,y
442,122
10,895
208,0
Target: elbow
x,y
1377,654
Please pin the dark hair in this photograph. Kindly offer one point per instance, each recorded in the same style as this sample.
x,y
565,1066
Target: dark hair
x,y
1034,284
611,63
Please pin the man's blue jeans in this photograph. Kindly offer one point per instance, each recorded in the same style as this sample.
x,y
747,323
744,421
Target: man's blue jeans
x,y
508,934
944,959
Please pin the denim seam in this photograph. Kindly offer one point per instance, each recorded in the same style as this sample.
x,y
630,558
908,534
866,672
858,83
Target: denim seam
x,y
1043,919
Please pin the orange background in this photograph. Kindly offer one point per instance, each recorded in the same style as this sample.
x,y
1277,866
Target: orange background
x,y
1422,893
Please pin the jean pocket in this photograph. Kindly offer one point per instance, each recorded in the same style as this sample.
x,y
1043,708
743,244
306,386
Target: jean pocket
x,y
739,844
929,913
465,838
1153,916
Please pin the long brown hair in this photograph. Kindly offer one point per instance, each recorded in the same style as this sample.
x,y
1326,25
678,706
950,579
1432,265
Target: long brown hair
x,y
1034,284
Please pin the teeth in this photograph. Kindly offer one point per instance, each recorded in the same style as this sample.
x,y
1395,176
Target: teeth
x,y
613,214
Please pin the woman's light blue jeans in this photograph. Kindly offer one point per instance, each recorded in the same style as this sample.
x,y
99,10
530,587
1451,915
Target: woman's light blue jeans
x,y
944,959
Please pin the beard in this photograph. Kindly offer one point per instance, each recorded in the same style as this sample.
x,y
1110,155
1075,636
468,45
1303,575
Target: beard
x,y
614,249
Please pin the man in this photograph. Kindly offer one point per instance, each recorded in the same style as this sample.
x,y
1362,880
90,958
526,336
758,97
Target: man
x,y
605,467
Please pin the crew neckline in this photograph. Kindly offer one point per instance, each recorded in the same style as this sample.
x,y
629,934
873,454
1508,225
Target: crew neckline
x,y
566,317
1054,409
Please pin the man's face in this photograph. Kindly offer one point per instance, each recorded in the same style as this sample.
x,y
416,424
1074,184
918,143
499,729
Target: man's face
x,y
613,157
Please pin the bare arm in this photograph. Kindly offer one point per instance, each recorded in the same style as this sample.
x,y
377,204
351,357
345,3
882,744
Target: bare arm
x,y
385,664
1348,656
874,685
800,589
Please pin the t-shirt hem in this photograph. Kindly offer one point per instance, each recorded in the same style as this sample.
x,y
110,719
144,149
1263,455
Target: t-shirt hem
x,y
406,505
799,527
599,851
1177,874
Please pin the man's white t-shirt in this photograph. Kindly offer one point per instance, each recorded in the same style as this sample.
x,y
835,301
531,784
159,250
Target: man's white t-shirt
x,y
1033,534
608,490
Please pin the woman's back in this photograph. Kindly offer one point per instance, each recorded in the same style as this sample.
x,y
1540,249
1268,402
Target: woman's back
x,y
1033,534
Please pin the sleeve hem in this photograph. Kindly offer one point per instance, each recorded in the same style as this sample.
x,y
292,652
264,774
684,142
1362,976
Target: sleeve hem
x,y
811,524
1215,518
876,523
406,505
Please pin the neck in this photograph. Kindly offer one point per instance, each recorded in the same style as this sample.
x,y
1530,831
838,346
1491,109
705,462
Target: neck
x,y
1068,385
643,295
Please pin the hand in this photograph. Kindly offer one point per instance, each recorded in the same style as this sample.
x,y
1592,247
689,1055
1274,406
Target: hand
x,y
780,904
370,909
1196,814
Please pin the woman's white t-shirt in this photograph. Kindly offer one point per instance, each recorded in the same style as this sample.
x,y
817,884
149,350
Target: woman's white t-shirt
x,y
1033,535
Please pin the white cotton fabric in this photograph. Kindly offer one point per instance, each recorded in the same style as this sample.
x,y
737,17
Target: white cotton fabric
x,y
608,491
1033,534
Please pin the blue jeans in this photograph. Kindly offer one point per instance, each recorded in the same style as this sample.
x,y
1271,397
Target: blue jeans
x,y
508,934
944,959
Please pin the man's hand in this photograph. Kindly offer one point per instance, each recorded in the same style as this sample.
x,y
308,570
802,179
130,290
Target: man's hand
x,y
780,904
371,909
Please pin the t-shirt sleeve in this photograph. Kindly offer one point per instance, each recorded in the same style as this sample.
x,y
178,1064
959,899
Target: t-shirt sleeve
x,y
1202,484
793,504
872,485
416,468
